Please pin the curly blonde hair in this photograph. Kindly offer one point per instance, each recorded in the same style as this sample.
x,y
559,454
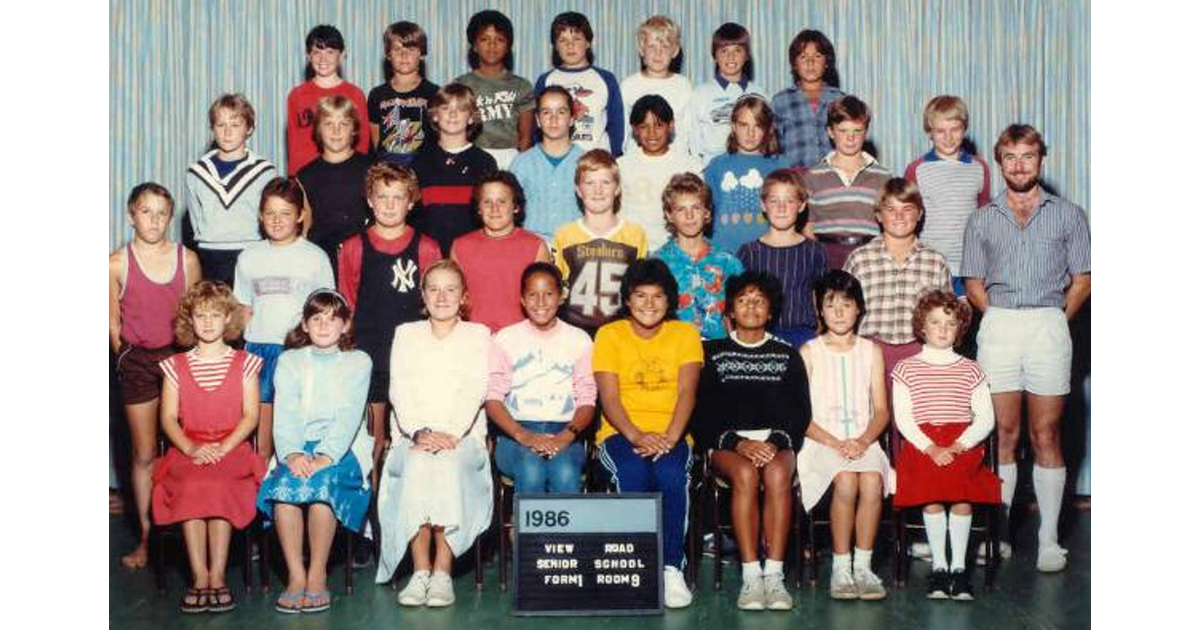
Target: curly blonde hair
x,y
206,294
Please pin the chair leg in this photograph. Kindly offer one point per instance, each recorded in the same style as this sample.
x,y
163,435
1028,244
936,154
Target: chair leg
x,y
992,545
900,550
718,551
247,558
479,561
155,549
264,559
502,544
798,536
349,569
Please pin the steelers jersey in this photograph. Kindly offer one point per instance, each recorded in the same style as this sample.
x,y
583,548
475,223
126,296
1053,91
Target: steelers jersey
x,y
593,266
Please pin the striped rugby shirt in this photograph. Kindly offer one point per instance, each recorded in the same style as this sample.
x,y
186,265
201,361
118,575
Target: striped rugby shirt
x,y
838,204
951,190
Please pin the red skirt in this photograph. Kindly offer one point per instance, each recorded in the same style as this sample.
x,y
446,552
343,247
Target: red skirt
x,y
184,491
965,480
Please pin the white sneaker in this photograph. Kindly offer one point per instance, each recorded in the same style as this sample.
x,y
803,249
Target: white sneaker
x,y
842,586
675,589
920,550
441,590
777,596
417,590
1051,558
870,587
752,596
1005,551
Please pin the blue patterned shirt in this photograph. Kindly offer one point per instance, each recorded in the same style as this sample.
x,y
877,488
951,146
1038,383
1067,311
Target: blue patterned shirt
x,y
1028,267
701,285
800,130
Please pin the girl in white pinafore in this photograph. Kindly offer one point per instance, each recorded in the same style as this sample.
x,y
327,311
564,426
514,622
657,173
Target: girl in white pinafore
x,y
436,488
849,413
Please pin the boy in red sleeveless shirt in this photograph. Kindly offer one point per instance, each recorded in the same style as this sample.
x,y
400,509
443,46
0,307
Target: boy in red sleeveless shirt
x,y
146,278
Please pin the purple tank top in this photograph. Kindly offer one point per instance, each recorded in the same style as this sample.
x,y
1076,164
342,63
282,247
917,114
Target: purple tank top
x,y
147,307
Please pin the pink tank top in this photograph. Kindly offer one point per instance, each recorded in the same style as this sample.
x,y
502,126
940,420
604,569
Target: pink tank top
x,y
147,307
210,415
493,267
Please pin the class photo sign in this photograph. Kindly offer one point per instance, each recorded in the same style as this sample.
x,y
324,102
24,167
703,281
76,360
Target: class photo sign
x,y
588,554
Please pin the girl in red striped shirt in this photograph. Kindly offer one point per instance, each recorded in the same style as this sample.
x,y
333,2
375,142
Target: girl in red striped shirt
x,y
943,408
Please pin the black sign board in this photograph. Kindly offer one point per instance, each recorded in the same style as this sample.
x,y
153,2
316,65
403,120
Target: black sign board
x,y
588,554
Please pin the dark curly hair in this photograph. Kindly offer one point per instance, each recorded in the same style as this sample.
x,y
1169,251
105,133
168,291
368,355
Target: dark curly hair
x,y
765,282
648,271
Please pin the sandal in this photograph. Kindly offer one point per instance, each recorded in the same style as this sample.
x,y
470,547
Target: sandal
x,y
289,603
220,600
321,598
198,603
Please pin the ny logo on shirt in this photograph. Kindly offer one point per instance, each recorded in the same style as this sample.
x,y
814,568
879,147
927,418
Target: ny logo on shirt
x,y
404,274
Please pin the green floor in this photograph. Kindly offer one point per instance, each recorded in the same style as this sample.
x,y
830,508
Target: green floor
x,y
1022,598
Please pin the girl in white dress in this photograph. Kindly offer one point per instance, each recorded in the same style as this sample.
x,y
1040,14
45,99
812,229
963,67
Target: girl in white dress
x,y
435,496
849,412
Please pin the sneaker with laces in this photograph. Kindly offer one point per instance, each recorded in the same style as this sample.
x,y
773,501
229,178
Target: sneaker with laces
x,y
776,593
939,585
1005,552
920,550
842,586
1051,558
960,587
870,587
752,596
441,590
676,593
416,592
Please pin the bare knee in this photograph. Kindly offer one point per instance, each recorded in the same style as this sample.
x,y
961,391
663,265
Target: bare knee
x,y
870,488
744,478
845,486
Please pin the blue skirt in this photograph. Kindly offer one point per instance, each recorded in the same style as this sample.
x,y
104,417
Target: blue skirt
x,y
340,486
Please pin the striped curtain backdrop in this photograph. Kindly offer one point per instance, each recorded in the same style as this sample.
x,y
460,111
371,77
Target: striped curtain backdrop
x,y
1011,60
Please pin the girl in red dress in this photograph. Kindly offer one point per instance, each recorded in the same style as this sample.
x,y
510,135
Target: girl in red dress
x,y
209,476
944,411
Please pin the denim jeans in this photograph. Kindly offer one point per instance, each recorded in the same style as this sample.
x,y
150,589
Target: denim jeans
x,y
531,472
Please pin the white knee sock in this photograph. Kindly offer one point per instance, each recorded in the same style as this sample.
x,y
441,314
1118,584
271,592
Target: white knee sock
x,y
772,567
1008,486
935,531
960,533
1048,485
862,560
751,570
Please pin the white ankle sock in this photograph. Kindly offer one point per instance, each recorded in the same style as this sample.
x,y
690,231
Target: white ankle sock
x,y
841,561
935,531
1048,485
1008,486
960,533
772,567
862,560
751,570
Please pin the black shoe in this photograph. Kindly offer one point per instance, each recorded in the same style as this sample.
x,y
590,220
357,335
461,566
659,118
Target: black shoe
x,y
960,587
939,585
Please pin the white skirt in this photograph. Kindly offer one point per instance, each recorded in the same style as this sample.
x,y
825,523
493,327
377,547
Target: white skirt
x,y
817,465
452,489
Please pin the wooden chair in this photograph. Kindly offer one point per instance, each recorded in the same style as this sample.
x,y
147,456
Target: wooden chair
x,y
503,490
818,516
988,528
345,535
159,534
716,488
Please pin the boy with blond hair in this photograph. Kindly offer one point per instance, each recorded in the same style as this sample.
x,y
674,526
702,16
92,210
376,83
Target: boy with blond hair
x,y
659,47
594,251
953,182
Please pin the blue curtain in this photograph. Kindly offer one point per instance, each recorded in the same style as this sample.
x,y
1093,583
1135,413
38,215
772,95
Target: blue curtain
x,y
1011,60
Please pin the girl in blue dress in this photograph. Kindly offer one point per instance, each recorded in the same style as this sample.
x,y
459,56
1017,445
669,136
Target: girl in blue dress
x,y
323,453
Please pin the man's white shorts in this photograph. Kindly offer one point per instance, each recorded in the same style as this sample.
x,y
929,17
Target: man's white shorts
x,y
1026,350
